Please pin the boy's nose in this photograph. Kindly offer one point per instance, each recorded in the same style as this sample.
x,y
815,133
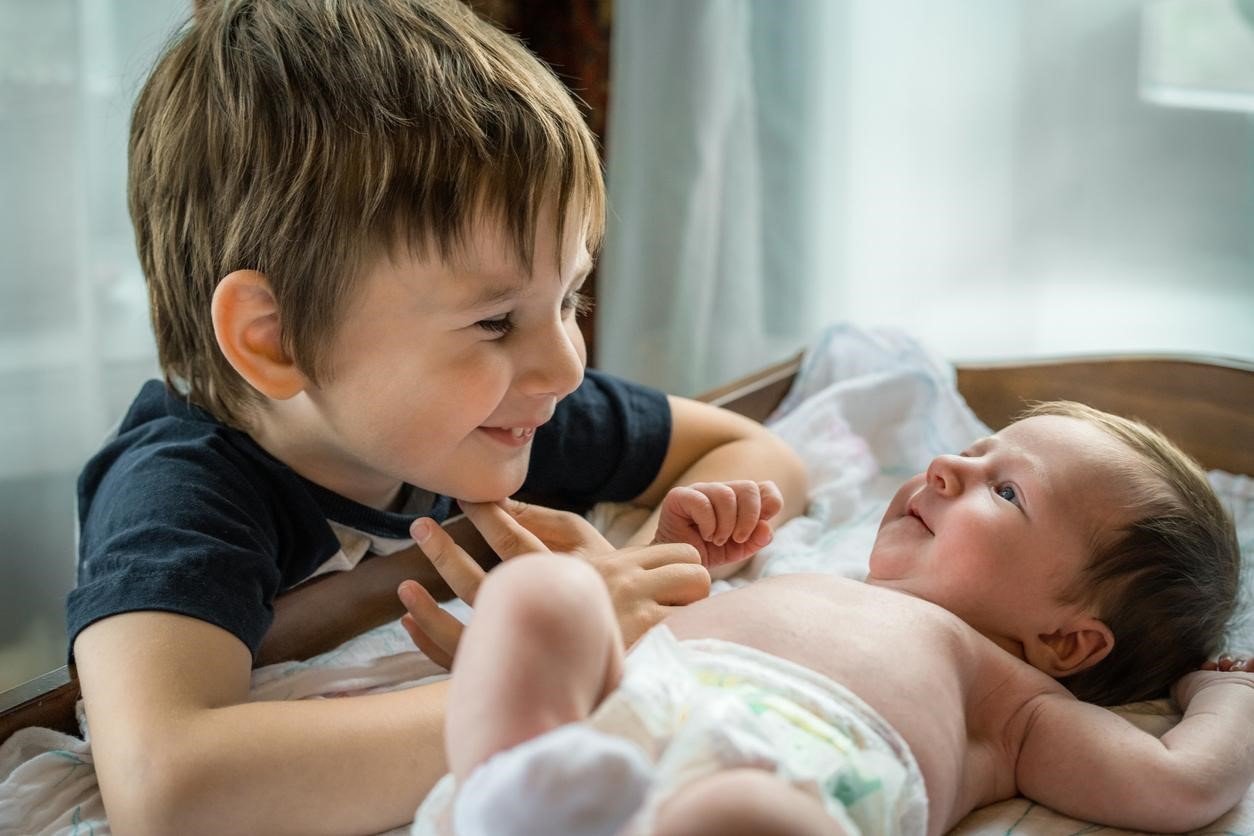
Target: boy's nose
x,y
945,474
558,367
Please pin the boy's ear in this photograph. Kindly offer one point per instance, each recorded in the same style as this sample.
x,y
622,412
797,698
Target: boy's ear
x,y
1067,651
246,324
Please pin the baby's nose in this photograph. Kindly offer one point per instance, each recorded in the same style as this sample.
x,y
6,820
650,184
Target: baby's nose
x,y
944,474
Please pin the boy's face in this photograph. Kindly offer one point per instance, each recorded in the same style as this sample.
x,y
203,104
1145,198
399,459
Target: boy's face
x,y
996,534
441,372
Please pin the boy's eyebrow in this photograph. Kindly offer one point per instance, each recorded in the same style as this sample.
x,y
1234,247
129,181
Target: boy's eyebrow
x,y
496,289
494,293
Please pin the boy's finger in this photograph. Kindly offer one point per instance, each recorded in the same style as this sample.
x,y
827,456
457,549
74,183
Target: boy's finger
x,y
434,631
662,554
560,530
458,569
424,644
506,535
677,584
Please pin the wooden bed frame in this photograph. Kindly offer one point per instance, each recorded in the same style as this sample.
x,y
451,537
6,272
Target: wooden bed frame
x,y
1204,404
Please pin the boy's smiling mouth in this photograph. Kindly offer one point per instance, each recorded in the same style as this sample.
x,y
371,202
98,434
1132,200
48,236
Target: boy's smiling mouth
x,y
512,436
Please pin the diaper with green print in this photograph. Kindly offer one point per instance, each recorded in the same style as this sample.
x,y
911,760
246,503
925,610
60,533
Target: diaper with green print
x,y
702,706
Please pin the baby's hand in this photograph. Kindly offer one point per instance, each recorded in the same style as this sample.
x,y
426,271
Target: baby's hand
x,y
1226,671
725,521
1229,663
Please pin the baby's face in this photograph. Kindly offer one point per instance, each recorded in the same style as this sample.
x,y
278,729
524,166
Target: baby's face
x,y
997,533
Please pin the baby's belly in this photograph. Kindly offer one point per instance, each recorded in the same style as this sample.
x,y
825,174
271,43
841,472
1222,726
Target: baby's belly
x,y
904,658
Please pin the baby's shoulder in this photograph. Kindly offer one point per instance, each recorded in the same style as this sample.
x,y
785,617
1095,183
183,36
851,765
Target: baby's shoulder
x,y
1004,691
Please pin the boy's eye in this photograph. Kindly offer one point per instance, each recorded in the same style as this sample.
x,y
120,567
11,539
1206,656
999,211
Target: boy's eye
x,y
1008,493
577,302
500,326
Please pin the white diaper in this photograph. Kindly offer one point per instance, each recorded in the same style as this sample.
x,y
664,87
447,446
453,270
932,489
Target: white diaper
x,y
695,708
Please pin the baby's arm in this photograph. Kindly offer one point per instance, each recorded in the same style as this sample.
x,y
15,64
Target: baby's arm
x,y
1088,762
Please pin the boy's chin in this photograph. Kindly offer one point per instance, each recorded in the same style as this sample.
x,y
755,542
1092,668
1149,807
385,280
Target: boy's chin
x,y
499,491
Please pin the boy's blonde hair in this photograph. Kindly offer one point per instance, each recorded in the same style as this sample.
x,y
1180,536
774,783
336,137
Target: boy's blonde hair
x,y
301,138
1166,581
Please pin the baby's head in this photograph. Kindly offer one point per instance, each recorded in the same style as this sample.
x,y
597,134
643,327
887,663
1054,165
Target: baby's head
x,y
306,140
1086,543
1165,580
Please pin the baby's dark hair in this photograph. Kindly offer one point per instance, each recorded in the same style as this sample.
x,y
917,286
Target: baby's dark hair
x,y
1166,580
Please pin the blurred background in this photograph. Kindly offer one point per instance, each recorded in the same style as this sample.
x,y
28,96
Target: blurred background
x,y
1002,178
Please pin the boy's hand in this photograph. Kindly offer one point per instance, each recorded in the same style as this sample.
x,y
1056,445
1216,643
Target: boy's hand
x,y
644,581
724,521
1223,672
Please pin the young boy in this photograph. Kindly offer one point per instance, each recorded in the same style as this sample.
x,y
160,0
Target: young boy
x,y
1072,546
364,225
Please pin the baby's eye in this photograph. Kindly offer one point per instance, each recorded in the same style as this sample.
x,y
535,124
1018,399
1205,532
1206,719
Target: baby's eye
x,y
1008,493
577,302
500,326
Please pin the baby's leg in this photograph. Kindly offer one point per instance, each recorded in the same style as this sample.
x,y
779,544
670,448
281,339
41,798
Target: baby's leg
x,y
744,802
542,650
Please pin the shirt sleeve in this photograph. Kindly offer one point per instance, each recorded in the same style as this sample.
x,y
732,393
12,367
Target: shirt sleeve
x,y
168,530
605,443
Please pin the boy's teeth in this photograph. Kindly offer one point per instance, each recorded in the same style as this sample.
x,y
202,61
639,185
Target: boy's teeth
x,y
519,432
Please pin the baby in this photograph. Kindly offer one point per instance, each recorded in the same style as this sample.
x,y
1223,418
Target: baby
x,y
1072,550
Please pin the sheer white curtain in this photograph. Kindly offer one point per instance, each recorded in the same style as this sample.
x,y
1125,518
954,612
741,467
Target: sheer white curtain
x,y
74,334
980,172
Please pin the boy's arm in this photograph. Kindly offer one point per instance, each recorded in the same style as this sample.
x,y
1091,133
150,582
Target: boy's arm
x,y
1087,762
178,750
710,444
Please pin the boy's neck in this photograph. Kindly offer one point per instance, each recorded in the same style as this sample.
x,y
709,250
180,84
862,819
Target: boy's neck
x,y
278,430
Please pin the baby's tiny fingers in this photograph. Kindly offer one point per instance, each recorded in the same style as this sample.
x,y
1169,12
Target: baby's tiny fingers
x,y
1225,662
723,498
772,499
762,536
699,508
748,510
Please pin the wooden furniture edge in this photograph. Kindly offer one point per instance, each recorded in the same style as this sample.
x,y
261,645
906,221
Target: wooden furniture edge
x,y
1204,404
46,701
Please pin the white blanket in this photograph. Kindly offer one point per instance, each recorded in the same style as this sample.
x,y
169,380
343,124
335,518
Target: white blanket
x,y
868,410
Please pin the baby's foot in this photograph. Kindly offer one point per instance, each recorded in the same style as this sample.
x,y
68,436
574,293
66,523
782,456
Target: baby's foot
x,y
573,780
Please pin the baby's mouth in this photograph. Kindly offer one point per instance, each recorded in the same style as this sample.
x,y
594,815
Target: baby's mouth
x,y
914,512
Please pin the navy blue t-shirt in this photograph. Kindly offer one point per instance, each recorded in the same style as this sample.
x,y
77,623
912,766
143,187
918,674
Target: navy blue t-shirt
x,y
180,513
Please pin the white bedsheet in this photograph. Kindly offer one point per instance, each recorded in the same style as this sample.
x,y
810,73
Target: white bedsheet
x,y
868,410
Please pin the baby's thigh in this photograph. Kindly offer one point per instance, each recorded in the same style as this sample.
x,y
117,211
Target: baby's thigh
x,y
744,802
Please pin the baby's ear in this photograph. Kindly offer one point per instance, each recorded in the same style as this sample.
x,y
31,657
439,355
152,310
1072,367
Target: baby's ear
x,y
246,324
1067,651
